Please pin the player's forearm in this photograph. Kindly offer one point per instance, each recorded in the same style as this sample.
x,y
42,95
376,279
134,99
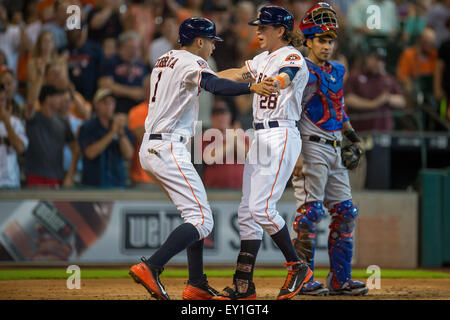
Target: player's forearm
x,y
223,87
236,74
230,74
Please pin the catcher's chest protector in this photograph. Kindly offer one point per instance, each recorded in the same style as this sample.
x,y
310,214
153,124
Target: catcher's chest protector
x,y
324,96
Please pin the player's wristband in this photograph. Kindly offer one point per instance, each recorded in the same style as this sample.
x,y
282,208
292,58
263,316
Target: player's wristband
x,y
352,136
281,79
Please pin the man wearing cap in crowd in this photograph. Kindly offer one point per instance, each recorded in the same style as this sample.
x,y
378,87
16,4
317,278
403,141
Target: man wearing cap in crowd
x,y
105,142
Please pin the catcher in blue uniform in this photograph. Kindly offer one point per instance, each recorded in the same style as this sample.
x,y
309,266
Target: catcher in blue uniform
x,y
320,177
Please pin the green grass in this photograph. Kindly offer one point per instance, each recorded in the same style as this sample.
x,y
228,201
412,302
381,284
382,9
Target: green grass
x,y
18,274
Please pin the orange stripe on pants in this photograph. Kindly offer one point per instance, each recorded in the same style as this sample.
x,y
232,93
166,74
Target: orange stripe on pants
x,y
203,217
276,177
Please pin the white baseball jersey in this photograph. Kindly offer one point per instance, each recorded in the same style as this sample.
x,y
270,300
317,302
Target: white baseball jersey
x,y
288,104
175,86
267,173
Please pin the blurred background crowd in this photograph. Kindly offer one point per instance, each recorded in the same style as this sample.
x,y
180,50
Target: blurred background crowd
x,y
73,101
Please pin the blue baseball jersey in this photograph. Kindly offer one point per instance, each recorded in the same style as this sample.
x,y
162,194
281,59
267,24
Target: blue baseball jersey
x,y
323,99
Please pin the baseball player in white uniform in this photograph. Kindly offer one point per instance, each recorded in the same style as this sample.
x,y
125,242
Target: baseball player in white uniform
x,y
176,81
266,174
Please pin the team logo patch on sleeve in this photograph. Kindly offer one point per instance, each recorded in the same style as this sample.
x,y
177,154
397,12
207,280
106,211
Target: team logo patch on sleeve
x,y
293,57
202,64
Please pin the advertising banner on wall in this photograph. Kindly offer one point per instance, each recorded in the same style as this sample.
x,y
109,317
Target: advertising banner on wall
x,y
123,231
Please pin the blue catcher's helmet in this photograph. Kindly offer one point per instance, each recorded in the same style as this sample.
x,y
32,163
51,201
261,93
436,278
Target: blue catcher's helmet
x,y
274,15
319,20
197,27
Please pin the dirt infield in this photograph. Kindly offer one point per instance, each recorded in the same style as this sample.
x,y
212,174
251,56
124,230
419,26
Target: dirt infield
x,y
267,289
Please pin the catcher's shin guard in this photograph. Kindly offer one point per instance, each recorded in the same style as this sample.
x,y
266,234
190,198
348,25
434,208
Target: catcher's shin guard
x,y
305,225
340,243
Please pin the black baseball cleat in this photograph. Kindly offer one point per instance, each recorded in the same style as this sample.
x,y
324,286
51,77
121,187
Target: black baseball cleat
x,y
298,274
241,290
199,291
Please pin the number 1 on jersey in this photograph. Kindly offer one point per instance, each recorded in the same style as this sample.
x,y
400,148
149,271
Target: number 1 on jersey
x,y
156,86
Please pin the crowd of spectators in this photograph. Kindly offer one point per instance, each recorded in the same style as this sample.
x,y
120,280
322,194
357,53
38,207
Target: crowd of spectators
x,y
73,100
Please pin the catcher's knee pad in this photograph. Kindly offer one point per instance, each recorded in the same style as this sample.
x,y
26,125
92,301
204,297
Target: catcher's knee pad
x,y
305,226
340,242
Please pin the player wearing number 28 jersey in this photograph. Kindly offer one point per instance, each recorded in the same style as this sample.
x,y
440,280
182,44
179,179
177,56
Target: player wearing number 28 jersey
x,y
273,152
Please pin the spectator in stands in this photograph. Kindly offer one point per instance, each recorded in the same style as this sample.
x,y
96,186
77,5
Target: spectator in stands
x,y
33,27
55,73
227,53
437,18
192,8
13,142
371,93
13,39
415,22
46,10
105,143
218,172
136,123
106,20
13,99
417,63
58,24
167,41
125,72
47,134
33,24
42,53
247,42
142,20
85,59
441,83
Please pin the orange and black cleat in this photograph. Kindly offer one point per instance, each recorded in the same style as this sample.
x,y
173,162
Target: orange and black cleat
x,y
298,274
148,276
199,291
241,290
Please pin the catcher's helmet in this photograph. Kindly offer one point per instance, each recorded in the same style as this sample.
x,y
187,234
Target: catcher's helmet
x,y
318,20
274,15
197,27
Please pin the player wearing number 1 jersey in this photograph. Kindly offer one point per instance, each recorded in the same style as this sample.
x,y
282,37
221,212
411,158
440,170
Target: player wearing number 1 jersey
x,y
265,176
176,81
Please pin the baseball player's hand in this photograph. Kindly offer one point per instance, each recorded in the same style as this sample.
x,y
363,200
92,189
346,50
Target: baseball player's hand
x,y
264,88
298,167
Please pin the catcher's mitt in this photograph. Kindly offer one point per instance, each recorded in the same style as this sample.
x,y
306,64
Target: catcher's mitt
x,y
350,155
